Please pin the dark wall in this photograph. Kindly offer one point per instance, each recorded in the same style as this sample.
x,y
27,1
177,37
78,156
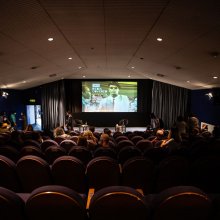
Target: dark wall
x,y
207,110
13,102
106,119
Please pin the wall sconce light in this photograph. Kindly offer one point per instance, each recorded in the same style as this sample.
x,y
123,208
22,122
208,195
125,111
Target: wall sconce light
x,y
4,94
210,95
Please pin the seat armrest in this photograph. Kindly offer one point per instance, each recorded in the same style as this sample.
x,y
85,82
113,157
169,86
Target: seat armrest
x,y
90,195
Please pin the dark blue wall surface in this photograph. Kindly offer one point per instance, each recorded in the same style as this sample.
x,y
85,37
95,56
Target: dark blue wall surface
x,y
205,109
14,102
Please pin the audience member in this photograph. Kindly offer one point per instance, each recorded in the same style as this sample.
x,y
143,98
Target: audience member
x,y
193,124
23,120
91,139
172,142
59,132
69,121
154,121
159,136
181,126
114,102
82,141
104,140
29,128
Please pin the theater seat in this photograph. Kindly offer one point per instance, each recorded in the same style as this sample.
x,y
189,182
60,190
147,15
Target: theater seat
x,y
102,172
69,171
33,172
55,202
118,203
181,203
8,175
11,205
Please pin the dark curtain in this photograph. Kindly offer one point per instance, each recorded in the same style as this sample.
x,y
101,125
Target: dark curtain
x,y
73,95
168,102
53,104
145,96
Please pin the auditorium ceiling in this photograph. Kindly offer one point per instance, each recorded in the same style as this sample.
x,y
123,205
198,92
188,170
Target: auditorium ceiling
x,y
172,41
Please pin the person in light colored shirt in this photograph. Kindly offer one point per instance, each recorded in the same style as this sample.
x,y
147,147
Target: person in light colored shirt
x,y
114,102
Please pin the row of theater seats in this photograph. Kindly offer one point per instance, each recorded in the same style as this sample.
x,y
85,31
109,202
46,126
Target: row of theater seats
x,y
31,172
54,202
54,151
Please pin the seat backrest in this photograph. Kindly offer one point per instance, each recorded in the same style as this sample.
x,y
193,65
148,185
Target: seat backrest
x,y
11,205
48,143
144,144
33,172
171,171
31,142
102,171
204,173
31,150
120,138
67,144
10,152
55,202
105,151
138,173
136,138
8,175
59,139
128,152
53,152
181,202
123,143
82,153
118,203
69,171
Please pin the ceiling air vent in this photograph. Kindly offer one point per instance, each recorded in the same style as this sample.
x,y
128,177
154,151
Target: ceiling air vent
x,y
160,75
53,75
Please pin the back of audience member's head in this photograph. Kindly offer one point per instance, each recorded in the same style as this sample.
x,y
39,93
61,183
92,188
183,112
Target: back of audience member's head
x,y
92,129
104,137
82,141
104,140
29,128
58,131
89,135
107,131
160,133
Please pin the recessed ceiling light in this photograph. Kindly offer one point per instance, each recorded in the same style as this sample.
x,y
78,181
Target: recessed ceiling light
x,y
79,67
70,58
159,39
188,81
132,67
50,39
215,77
84,76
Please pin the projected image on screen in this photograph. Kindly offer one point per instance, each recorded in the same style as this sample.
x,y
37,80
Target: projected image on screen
x,y
109,96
